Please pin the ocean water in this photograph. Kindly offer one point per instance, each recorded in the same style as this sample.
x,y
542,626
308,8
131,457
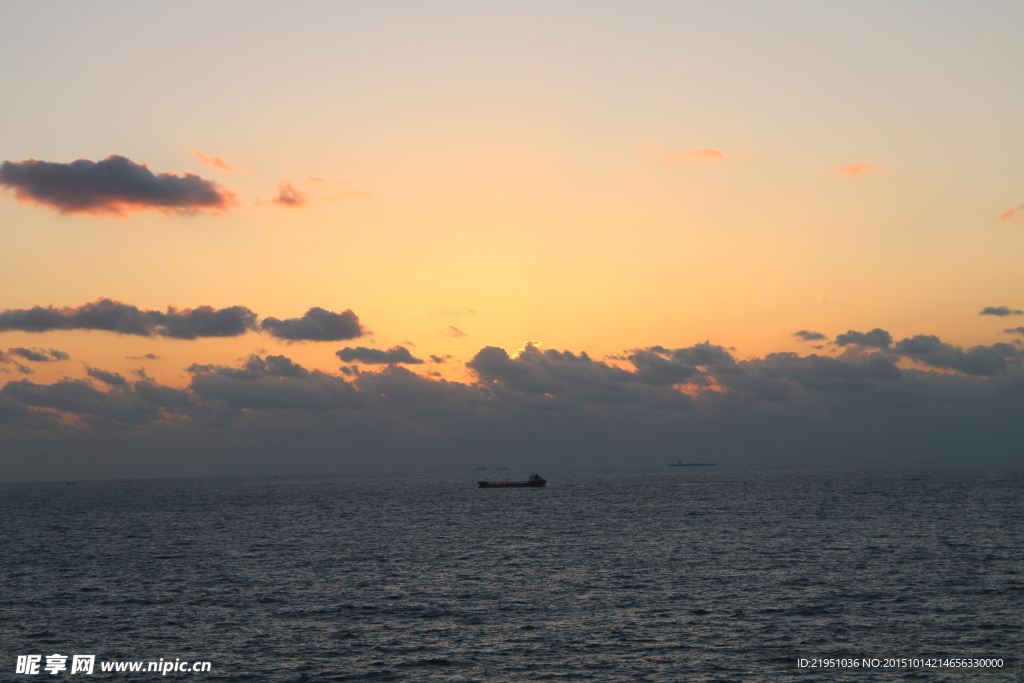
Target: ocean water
x,y
681,574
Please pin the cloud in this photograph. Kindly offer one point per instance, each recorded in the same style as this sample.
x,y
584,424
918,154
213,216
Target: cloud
x,y
361,354
534,374
218,163
115,316
807,335
820,373
982,361
861,168
110,378
654,368
317,324
256,367
206,321
164,397
659,366
563,408
1001,311
876,338
1015,215
115,185
31,355
1015,330
274,382
689,155
38,355
454,332
15,414
288,195
114,410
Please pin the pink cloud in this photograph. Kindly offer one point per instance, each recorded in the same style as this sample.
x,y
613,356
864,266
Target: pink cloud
x,y
218,163
1013,215
288,195
861,168
689,155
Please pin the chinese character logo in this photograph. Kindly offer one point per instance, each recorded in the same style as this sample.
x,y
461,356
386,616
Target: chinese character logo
x,y
82,664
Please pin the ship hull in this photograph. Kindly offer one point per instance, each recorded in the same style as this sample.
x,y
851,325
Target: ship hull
x,y
512,484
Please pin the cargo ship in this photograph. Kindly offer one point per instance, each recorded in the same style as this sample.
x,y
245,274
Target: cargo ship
x,y
534,481
692,464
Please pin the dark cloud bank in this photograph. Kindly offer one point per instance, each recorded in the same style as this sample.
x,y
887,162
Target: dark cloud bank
x,y
191,323
115,185
114,316
544,409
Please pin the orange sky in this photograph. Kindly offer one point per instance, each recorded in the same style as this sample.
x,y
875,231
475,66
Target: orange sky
x,y
597,179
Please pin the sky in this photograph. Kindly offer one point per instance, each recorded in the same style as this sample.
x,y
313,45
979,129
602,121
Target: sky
x,y
315,237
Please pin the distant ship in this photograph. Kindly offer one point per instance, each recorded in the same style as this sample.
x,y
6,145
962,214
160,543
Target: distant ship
x,y
534,481
692,464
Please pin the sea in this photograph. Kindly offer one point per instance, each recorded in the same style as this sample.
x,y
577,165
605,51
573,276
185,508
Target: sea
x,y
880,573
